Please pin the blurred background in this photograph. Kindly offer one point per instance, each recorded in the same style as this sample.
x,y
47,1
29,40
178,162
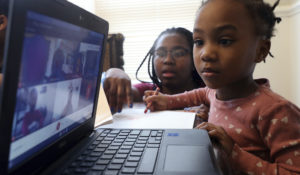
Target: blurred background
x,y
141,21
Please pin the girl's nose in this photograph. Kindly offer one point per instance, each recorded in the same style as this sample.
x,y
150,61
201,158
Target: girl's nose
x,y
208,53
169,58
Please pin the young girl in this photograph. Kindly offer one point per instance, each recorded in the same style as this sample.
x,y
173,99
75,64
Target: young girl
x,y
257,129
170,67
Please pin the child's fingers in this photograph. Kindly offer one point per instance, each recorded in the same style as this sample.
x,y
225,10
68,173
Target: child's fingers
x,y
129,97
202,125
149,93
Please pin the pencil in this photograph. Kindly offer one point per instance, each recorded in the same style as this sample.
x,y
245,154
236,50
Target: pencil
x,y
149,104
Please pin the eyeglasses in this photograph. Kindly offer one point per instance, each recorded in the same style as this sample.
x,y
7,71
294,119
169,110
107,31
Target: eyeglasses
x,y
175,53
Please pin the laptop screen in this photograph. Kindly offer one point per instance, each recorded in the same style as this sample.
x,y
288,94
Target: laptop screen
x,y
57,83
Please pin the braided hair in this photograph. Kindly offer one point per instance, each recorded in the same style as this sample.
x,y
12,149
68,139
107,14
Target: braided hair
x,y
150,56
263,16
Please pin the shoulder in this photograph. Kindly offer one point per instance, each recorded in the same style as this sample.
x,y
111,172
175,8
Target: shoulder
x,y
272,104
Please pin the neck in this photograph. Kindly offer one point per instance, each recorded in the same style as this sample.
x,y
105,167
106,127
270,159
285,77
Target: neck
x,y
185,86
239,89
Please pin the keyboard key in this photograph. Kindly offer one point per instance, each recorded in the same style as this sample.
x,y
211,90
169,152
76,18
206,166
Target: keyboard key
x,y
143,138
131,164
98,167
121,156
123,134
128,170
141,141
148,161
111,152
128,143
119,140
130,140
94,173
115,131
118,161
135,132
139,154
113,148
81,170
91,147
86,164
114,166
102,162
109,138
132,136
106,142
100,138
99,150
96,142
153,133
102,145
107,156
153,145
121,137
91,159
116,144
138,149
139,145
111,172
126,131
133,159
126,147
145,133
96,154
123,151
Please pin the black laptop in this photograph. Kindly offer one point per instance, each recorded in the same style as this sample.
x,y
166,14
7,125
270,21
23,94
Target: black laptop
x,y
53,62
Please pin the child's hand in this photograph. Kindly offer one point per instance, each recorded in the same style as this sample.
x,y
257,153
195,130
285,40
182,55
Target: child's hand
x,y
218,133
155,102
117,87
201,111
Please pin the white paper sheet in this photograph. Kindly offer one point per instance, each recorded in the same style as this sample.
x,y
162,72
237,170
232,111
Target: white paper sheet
x,y
135,118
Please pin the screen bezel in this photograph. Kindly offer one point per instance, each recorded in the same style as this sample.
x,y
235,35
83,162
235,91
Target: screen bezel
x,y
67,12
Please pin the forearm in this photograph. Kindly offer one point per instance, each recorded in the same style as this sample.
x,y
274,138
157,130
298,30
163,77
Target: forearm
x,y
186,99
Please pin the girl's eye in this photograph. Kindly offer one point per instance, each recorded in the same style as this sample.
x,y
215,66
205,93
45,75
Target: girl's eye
x,y
198,42
225,42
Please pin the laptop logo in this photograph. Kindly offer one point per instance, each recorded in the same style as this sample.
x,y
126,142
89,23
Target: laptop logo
x,y
173,134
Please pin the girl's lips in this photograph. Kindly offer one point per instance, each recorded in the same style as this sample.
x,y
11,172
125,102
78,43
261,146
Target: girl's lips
x,y
168,74
208,72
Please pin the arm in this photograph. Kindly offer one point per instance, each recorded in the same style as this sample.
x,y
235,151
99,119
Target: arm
x,y
118,90
279,128
178,101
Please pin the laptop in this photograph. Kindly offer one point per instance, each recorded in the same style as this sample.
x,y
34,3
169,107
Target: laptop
x,y
53,62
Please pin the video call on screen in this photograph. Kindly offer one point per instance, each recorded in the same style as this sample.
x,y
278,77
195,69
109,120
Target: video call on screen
x,y
57,80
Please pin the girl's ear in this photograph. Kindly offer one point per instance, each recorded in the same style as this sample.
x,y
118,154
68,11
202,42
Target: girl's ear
x,y
3,22
263,50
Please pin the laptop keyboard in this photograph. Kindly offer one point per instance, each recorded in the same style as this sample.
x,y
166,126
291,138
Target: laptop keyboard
x,y
116,152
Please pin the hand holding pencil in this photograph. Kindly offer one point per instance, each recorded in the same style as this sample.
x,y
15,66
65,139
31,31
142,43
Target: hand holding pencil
x,y
149,104
155,100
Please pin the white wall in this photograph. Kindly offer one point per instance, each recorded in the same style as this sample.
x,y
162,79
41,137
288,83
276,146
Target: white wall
x,y
88,5
283,70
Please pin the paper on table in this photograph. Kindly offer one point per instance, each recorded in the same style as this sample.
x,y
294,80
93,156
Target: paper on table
x,y
135,118
103,114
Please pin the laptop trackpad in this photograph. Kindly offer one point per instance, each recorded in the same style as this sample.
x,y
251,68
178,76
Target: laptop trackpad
x,y
183,158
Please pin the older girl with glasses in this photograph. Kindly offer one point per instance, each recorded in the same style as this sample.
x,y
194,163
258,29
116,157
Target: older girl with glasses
x,y
170,67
